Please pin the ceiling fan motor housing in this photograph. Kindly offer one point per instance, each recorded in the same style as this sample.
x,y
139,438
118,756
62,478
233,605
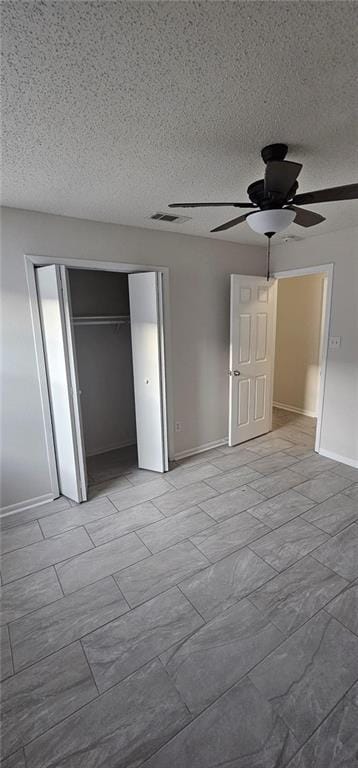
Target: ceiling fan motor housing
x,y
256,193
274,152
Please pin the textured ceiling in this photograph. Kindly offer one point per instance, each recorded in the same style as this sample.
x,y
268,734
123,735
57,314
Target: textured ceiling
x,y
111,110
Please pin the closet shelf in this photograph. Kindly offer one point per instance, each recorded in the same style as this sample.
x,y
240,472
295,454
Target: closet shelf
x,y
100,319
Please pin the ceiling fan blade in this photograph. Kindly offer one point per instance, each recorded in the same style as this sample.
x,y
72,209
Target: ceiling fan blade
x,y
231,223
211,205
347,192
306,218
280,176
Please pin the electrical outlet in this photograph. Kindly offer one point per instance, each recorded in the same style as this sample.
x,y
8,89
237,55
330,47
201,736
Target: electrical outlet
x,y
178,426
334,342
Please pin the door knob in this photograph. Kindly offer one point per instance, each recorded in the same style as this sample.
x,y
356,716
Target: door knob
x,y
236,373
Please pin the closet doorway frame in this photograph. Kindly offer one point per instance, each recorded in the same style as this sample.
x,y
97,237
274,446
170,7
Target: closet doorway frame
x,y
31,262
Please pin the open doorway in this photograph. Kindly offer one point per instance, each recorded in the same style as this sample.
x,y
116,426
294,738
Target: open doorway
x,y
299,351
102,337
255,408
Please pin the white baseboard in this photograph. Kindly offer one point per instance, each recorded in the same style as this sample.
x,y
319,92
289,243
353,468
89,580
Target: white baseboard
x,y
338,457
201,448
292,408
112,448
20,506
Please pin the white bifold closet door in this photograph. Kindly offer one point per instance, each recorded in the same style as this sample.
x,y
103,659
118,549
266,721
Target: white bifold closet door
x,y
146,307
252,342
55,313
146,314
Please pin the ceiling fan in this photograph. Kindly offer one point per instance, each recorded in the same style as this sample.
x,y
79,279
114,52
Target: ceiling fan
x,y
274,200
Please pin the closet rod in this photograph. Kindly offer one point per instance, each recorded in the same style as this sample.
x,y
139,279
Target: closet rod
x,y
100,320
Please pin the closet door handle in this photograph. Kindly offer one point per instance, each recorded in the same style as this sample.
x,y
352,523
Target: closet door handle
x,y
234,373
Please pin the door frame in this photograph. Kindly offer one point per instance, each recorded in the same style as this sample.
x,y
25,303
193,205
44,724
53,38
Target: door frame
x,y
31,262
327,270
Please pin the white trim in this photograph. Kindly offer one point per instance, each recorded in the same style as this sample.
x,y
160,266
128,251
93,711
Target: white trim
x,y
162,378
274,329
32,261
328,271
301,271
201,448
103,266
20,506
302,411
116,447
322,329
341,459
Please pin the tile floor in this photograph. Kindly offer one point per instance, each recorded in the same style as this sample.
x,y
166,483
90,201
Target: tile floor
x,y
205,618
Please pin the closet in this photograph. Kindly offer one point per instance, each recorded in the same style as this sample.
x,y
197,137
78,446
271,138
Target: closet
x,y
102,338
103,350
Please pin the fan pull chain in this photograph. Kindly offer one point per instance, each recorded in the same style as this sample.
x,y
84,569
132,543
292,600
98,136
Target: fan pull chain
x,y
268,254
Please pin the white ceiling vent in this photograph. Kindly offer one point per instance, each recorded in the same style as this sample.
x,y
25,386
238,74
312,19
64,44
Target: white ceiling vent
x,y
170,218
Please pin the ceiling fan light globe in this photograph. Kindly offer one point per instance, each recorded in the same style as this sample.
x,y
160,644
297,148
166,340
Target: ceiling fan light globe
x,y
274,220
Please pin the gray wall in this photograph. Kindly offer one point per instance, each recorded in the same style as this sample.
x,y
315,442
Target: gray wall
x,y
340,410
104,360
199,320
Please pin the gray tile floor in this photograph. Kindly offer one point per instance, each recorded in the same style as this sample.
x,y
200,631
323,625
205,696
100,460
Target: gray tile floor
x,y
205,618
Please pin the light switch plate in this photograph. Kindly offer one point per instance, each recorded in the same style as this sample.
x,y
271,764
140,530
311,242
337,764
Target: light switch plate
x,y
334,342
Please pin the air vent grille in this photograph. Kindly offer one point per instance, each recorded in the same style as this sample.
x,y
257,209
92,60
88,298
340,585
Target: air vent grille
x,y
164,217
169,217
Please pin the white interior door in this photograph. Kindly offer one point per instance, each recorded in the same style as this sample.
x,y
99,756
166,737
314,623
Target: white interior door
x,y
55,313
146,313
252,329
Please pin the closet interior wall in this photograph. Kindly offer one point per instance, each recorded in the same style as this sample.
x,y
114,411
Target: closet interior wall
x,y
104,358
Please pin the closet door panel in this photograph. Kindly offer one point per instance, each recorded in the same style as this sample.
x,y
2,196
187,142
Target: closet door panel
x,y
74,381
57,355
146,315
